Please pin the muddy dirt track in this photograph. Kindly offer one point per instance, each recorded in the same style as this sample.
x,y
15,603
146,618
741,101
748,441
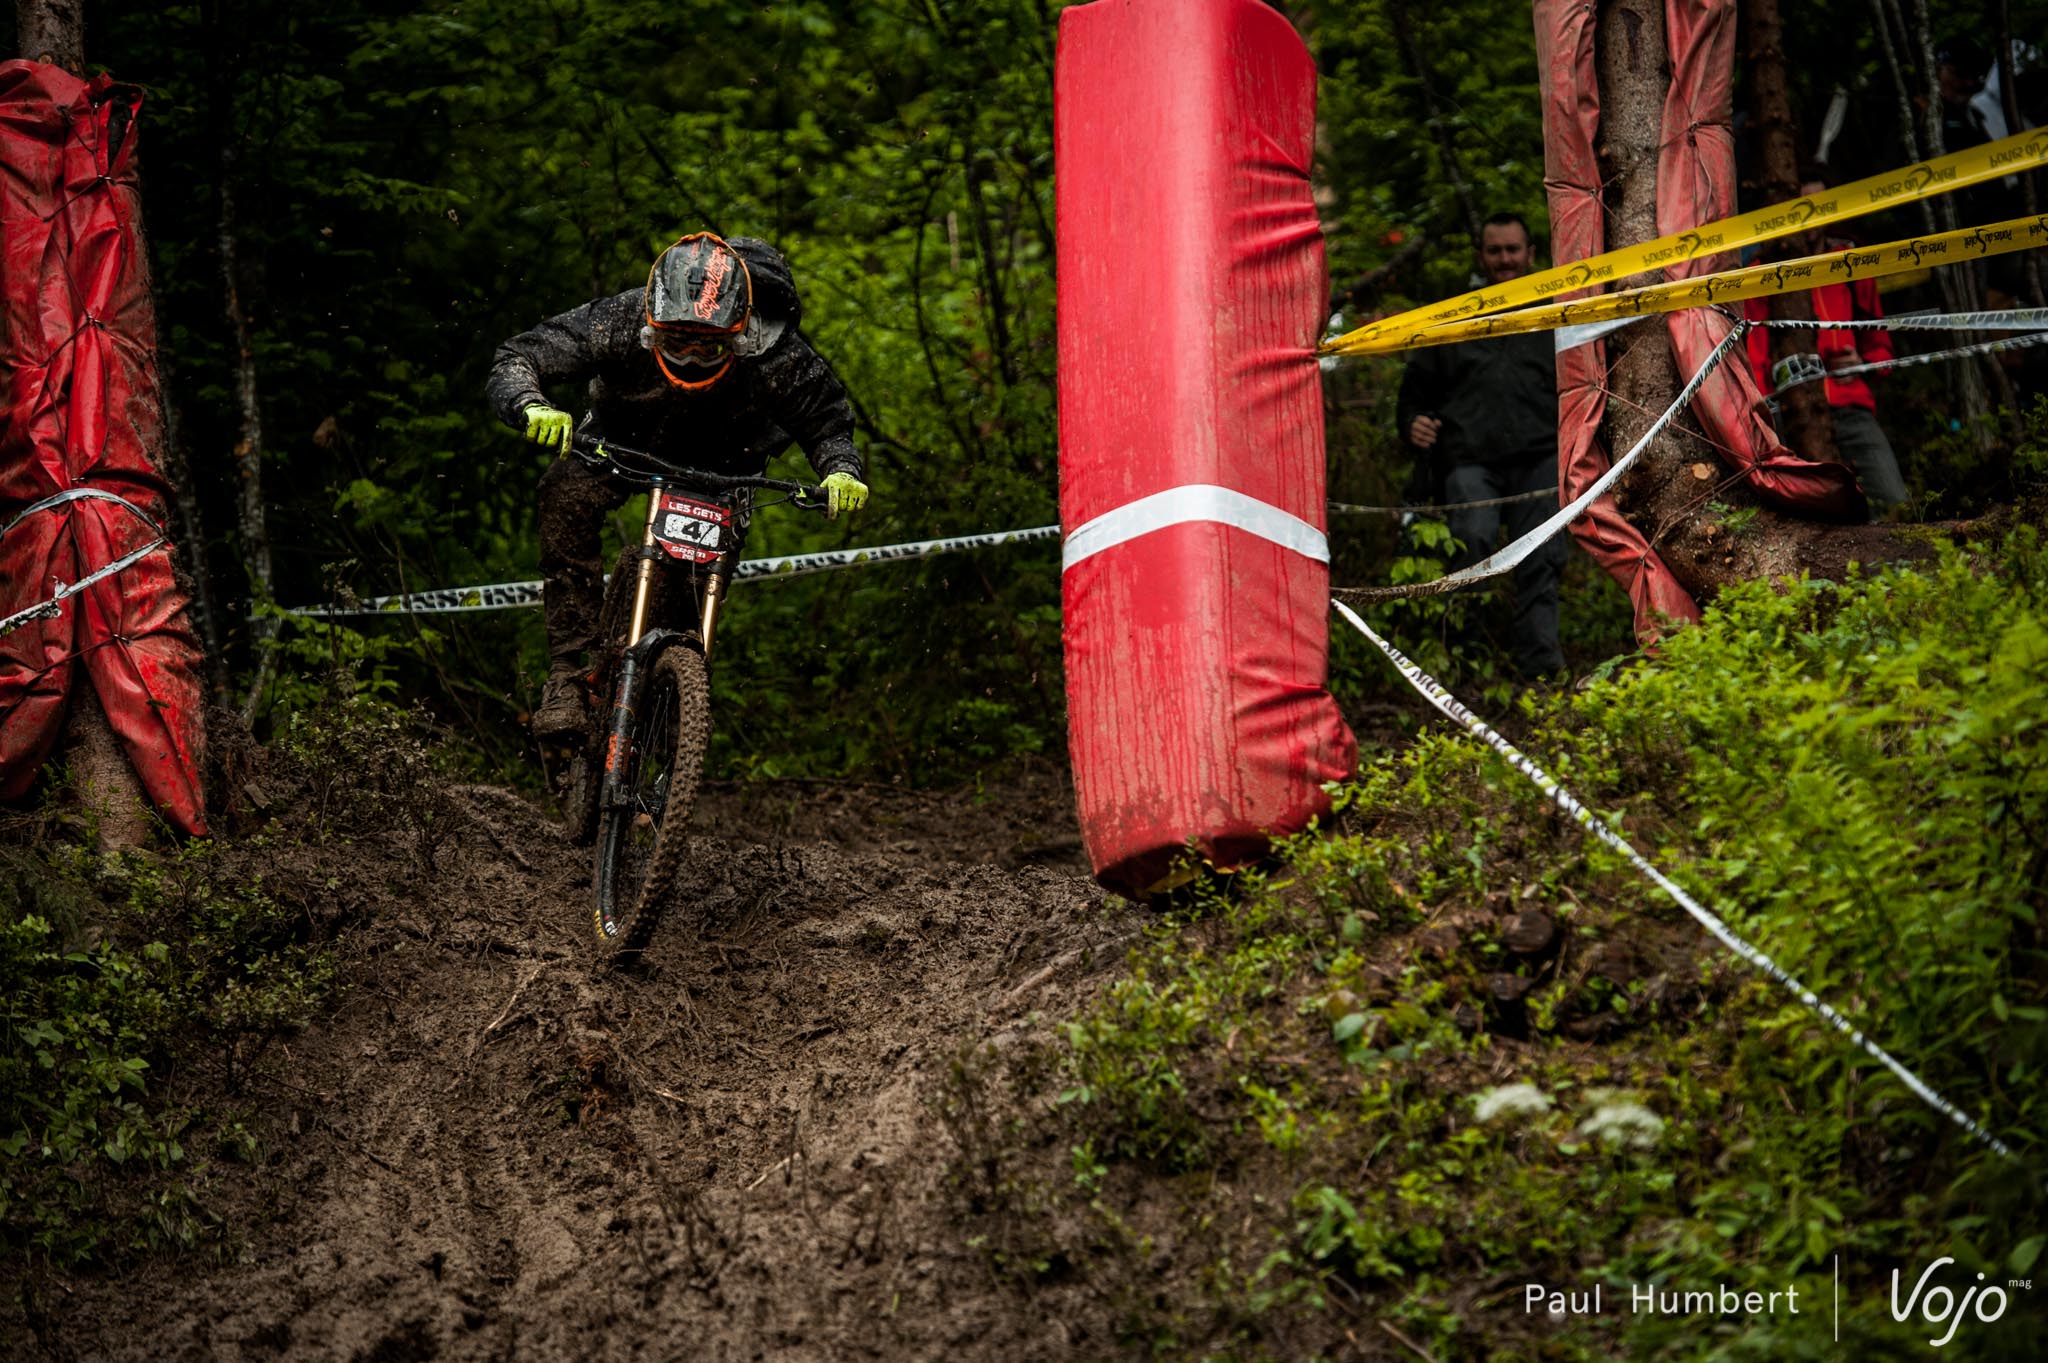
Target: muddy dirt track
x,y
495,1149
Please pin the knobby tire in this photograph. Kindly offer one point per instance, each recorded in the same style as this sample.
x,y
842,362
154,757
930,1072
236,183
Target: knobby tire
x,y
636,867
579,794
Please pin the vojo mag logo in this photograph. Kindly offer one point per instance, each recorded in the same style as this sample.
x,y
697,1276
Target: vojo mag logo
x,y
1941,1311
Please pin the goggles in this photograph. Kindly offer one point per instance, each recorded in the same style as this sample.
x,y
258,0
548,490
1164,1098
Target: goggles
x,y
693,371
698,350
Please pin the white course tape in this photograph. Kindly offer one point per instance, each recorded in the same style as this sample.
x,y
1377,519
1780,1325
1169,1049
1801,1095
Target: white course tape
x,y
1565,800
1507,559
1189,503
796,565
2013,319
495,596
81,494
55,605
1850,371
1571,338
2009,319
504,595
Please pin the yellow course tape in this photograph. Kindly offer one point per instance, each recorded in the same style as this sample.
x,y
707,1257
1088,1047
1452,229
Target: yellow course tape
x,y
1731,286
1957,170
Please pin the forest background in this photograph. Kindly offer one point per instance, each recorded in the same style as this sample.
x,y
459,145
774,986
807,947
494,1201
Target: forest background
x,y
350,205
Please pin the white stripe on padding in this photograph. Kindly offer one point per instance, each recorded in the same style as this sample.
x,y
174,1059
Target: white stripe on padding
x,y
1571,338
1195,502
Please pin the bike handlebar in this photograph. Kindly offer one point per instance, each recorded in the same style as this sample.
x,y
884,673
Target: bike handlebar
x,y
604,455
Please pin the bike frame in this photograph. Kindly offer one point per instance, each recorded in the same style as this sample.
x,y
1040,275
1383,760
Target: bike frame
x,y
644,645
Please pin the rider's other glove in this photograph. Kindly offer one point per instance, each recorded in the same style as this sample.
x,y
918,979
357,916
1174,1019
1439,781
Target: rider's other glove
x,y
549,426
844,492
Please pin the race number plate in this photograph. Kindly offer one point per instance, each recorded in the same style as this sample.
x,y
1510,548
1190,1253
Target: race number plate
x,y
693,531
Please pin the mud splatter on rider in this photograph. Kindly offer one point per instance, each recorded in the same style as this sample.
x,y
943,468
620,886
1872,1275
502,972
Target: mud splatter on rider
x,y
707,365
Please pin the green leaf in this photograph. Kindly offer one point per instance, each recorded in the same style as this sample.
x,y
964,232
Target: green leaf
x,y
2025,1254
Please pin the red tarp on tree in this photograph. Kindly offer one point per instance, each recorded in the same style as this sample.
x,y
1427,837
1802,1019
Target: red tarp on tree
x,y
78,352
1191,293
1695,184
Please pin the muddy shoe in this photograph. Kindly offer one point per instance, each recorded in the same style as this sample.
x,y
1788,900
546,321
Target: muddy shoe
x,y
562,703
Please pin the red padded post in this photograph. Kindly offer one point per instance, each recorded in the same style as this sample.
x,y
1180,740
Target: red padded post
x,y
1191,295
82,409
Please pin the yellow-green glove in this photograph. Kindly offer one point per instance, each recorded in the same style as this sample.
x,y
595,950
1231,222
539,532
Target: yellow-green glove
x,y
843,492
549,426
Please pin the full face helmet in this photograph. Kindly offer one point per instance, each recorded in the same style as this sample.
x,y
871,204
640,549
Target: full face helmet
x,y
699,296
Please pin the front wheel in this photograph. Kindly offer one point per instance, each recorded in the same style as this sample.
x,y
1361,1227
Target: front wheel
x,y
641,837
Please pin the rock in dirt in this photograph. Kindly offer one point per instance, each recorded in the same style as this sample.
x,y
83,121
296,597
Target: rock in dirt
x,y
1530,934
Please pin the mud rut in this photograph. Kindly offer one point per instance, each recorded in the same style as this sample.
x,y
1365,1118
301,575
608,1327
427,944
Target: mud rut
x,y
496,1149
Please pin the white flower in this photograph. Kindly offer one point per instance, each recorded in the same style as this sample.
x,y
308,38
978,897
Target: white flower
x,y
1510,1100
1620,1121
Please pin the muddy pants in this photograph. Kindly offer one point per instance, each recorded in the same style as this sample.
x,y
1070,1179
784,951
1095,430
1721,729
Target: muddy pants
x,y
574,500
1533,633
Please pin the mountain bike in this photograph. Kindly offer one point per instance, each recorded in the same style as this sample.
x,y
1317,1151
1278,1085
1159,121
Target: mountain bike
x,y
627,786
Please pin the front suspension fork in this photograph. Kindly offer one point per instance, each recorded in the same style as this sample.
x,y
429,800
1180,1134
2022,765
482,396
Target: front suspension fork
x,y
619,729
618,739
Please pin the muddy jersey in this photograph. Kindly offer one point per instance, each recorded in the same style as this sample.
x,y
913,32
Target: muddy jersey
x,y
782,391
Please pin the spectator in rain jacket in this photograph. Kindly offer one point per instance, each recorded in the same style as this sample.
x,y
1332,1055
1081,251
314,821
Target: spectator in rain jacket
x,y
1860,439
1481,417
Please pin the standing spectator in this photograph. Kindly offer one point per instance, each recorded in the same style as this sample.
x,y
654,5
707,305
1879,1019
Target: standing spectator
x,y
1481,417
1860,439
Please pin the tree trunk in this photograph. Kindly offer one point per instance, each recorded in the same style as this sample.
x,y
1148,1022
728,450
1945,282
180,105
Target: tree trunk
x,y
1678,493
255,525
1805,420
1641,373
1959,291
52,31
190,547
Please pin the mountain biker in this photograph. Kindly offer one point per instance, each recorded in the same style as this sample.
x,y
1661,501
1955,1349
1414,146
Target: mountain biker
x,y
706,365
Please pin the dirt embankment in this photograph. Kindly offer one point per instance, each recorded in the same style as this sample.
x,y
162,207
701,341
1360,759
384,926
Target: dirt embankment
x,y
497,1149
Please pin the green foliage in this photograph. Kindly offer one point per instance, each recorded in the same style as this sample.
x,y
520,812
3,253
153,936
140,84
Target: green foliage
x,y
107,988
367,767
1852,773
1406,123
415,182
135,995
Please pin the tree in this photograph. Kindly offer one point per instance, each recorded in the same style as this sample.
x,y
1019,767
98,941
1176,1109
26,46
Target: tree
x,y
125,684
1672,494
53,32
414,183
